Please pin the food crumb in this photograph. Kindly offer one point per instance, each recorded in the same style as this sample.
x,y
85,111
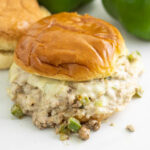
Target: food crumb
x,y
112,124
105,120
64,137
84,133
130,128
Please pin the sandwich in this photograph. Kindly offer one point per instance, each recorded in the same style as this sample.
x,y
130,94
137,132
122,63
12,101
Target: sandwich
x,y
71,72
15,17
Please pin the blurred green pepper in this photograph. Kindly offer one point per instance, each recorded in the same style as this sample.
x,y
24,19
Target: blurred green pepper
x,y
16,111
134,15
55,6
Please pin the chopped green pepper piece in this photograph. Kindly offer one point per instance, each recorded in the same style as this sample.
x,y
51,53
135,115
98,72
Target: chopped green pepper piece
x,y
133,56
74,124
85,101
138,53
139,92
16,111
99,103
64,129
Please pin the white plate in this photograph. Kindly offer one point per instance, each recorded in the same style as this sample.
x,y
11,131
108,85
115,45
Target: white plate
x,y
23,135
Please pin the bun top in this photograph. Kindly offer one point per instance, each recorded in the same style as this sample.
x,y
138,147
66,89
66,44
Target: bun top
x,y
69,46
15,17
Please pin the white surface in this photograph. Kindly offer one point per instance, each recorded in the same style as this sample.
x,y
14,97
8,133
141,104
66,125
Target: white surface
x,y
23,135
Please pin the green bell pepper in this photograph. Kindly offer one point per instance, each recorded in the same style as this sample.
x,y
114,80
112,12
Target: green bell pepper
x,y
56,6
16,111
74,124
134,15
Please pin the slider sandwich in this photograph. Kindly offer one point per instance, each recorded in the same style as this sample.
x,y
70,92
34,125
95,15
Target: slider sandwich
x,y
15,17
72,71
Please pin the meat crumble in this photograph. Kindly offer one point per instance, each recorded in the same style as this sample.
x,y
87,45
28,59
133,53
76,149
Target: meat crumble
x,y
51,102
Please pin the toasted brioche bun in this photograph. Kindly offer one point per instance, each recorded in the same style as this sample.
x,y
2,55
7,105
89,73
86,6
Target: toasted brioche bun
x,y
6,59
15,17
72,47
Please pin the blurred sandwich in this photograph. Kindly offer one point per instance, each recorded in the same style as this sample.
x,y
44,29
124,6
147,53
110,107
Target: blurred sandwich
x,y
15,17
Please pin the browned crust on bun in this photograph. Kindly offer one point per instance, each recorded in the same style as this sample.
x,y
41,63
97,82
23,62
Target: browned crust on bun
x,y
15,17
69,46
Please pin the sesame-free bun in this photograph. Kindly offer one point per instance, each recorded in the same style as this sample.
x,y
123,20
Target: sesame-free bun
x,y
69,46
15,17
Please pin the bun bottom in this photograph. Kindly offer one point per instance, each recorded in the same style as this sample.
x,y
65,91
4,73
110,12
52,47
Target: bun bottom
x,y
6,59
7,44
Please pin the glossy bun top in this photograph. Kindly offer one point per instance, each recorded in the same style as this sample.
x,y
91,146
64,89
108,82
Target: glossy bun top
x,y
69,46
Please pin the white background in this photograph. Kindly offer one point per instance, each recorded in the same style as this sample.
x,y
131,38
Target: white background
x,y
23,135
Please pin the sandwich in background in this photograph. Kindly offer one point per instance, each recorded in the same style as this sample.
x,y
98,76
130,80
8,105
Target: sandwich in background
x,y
15,17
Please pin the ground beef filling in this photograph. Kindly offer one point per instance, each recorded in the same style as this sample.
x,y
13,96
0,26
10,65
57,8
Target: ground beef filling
x,y
51,102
